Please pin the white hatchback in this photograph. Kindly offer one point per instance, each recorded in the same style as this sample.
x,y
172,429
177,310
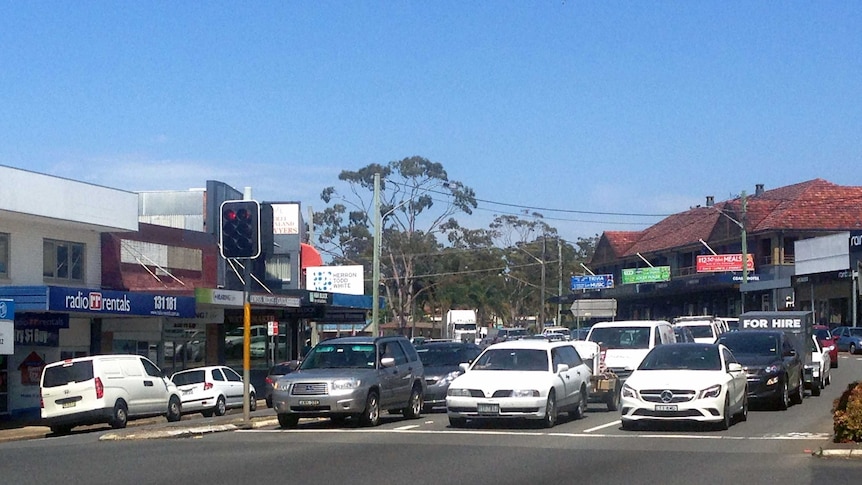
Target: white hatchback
x,y
212,390
526,379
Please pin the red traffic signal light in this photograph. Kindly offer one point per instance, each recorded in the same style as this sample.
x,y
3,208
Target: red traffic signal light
x,y
240,229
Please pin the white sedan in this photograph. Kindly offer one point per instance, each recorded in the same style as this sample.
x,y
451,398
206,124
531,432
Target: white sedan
x,y
686,382
526,379
212,390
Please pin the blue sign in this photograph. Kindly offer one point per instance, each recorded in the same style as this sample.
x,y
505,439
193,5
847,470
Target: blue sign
x,y
592,282
108,302
7,309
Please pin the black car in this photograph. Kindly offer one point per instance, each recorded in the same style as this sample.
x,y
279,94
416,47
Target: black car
x,y
773,366
441,361
276,371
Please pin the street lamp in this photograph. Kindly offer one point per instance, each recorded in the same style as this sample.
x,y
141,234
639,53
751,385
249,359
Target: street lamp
x,y
744,236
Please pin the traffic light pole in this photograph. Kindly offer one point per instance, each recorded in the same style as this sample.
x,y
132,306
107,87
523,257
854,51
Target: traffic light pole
x,y
246,342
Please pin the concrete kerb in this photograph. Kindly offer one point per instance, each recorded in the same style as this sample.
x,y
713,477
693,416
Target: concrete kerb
x,y
187,431
849,452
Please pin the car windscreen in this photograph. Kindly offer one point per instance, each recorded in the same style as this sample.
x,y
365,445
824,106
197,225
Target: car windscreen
x,y
445,355
338,356
682,357
188,377
60,375
513,359
750,343
700,331
621,337
823,334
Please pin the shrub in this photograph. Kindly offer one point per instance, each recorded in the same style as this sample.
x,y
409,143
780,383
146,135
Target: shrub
x,y
847,415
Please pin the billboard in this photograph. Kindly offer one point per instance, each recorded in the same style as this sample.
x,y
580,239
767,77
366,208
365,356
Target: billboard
x,y
646,275
715,263
592,282
336,279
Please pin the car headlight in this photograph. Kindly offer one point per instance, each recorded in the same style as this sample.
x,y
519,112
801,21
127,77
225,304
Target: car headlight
x,y
772,369
524,393
449,377
710,392
345,384
280,385
458,392
629,391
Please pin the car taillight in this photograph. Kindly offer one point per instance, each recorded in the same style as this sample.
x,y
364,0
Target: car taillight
x,y
208,386
100,389
269,380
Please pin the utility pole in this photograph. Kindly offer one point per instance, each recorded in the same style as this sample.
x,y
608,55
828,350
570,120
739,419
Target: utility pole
x,y
375,272
744,236
560,284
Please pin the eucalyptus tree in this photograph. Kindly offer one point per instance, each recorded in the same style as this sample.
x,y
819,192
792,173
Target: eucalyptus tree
x,y
417,201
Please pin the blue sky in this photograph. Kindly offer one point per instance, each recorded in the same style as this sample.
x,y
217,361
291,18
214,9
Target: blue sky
x,y
602,107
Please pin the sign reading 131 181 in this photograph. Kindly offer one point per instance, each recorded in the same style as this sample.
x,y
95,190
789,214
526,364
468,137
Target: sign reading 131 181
x,y
164,303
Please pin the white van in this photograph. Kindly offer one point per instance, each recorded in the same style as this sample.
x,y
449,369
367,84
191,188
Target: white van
x,y
704,329
105,389
625,343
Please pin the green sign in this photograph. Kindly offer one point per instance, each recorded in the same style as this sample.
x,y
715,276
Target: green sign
x,y
646,275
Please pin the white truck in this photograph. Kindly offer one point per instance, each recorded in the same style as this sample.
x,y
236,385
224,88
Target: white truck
x,y
463,325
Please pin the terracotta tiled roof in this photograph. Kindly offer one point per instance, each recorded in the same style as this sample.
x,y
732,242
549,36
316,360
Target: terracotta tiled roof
x,y
815,205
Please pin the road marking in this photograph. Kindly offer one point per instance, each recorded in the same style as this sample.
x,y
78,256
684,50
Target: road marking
x,y
612,423
406,428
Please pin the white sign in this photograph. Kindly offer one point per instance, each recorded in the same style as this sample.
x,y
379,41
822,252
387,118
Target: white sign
x,y
7,337
285,218
336,279
272,328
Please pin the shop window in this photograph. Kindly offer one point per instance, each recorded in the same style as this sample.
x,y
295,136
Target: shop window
x,y
63,260
278,268
4,255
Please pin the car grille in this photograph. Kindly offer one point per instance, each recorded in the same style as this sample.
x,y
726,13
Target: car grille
x,y
686,413
309,389
676,395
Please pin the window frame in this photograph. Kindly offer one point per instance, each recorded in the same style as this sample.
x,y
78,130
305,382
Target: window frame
x,y
72,266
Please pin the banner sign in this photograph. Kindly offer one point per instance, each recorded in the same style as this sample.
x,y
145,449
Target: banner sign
x,y
83,300
7,327
592,282
336,279
646,275
713,263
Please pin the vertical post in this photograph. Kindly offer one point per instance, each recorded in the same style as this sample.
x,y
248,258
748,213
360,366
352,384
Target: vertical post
x,y
246,342
559,318
744,252
375,271
541,325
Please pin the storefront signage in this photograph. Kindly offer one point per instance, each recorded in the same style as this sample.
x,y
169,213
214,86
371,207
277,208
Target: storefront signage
x,y
7,327
855,242
83,300
592,282
646,275
275,300
212,296
336,279
713,263
285,219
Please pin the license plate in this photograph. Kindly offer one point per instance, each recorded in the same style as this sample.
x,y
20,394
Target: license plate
x,y
69,404
665,407
488,408
309,403
186,392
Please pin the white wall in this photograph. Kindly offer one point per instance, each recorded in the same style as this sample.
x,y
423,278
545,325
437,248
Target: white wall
x,y
823,254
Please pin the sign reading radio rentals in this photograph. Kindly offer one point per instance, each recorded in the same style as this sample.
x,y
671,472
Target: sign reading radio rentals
x,y
646,275
82,300
713,263
592,282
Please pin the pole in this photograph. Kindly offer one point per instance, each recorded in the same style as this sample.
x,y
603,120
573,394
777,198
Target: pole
x,y
744,253
375,271
559,318
541,325
246,343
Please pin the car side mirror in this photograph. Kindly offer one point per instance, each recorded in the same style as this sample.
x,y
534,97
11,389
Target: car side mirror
x,y
562,368
387,361
734,367
790,353
464,366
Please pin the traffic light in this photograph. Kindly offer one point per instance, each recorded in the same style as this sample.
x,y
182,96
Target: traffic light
x,y
240,229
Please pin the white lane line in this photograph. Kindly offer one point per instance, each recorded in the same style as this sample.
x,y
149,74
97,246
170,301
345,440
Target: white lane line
x,y
612,423
406,428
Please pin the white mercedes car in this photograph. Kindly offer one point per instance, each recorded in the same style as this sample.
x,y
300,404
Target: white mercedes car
x,y
686,382
524,379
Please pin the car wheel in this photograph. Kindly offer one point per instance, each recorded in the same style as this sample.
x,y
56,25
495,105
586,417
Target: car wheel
x,y
852,349
783,398
371,414
798,394
288,420
414,407
120,415
743,414
581,409
175,410
613,399
833,364
726,416
816,386
457,422
220,407
252,402
269,401
550,411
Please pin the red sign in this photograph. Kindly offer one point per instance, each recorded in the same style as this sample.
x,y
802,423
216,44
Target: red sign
x,y
713,263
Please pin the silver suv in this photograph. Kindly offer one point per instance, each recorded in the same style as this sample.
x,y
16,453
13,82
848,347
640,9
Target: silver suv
x,y
352,378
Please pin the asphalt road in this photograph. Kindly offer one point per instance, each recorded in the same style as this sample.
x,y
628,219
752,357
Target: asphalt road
x,y
771,447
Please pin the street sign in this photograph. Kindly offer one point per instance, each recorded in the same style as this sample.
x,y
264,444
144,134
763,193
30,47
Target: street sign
x,y
272,328
592,282
594,308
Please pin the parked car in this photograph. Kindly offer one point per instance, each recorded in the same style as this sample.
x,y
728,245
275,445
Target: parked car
x,y
683,334
686,382
352,378
233,338
827,341
276,371
442,361
849,339
704,329
579,333
212,390
521,379
773,366
817,372
105,389
626,342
